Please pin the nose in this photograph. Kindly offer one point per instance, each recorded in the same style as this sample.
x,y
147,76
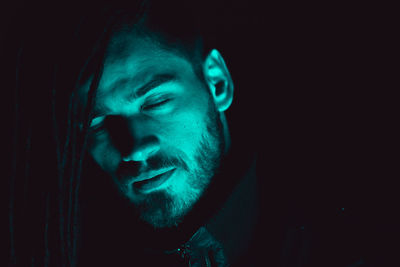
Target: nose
x,y
147,147
133,137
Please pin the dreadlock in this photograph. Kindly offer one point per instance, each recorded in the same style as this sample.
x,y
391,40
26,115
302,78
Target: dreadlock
x,y
34,216
71,178
50,126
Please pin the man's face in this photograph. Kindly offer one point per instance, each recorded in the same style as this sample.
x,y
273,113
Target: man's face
x,y
156,130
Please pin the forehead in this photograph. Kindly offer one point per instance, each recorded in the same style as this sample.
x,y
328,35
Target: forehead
x,y
132,59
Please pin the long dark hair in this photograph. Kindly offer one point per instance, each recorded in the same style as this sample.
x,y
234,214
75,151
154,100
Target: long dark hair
x,y
50,133
53,55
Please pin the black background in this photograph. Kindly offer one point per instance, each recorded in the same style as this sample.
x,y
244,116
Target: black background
x,y
310,83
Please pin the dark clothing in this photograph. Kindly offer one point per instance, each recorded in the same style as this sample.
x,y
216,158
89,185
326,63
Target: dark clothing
x,y
276,231
227,212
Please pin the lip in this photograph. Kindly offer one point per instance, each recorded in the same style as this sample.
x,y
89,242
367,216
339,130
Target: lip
x,y
149,182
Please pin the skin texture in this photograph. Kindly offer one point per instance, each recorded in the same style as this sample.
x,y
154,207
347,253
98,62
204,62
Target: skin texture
x,y
176,127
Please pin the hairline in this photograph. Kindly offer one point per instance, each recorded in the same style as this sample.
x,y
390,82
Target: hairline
x,y
194,55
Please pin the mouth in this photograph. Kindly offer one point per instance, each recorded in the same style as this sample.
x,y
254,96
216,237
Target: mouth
x,y
147,185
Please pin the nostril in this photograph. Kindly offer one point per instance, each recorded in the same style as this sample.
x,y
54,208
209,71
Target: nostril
x,y
129,157
131,138
143,150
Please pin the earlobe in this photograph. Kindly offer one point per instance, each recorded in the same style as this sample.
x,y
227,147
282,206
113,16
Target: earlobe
x,y
219,80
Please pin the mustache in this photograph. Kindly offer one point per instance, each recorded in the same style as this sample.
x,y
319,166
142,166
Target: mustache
x,y
155,163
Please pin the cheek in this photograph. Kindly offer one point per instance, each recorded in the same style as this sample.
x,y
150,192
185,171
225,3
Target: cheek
x,y
186,131
186,126
104,154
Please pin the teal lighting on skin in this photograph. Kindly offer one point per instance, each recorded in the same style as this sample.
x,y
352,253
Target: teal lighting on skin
x,y
153,112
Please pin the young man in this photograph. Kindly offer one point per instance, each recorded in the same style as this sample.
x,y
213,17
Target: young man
x,y
129,146
139,165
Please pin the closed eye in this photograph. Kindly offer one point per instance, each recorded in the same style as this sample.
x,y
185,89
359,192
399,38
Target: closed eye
x,y
155,104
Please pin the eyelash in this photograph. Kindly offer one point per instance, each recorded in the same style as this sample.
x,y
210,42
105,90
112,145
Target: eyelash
x,y
100,126
155,104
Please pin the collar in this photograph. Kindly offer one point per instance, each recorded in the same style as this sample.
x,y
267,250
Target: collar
x,y
228,234
235,222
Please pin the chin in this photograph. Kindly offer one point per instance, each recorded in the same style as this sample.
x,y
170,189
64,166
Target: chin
x,y
158,220
161,214
167,208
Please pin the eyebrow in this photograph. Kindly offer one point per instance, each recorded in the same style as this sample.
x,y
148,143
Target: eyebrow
x,y
154,82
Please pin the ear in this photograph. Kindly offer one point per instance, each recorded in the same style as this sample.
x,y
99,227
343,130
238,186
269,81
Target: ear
x,y
219,80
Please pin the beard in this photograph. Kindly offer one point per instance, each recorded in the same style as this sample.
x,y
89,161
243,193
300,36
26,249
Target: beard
x,y
166,208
